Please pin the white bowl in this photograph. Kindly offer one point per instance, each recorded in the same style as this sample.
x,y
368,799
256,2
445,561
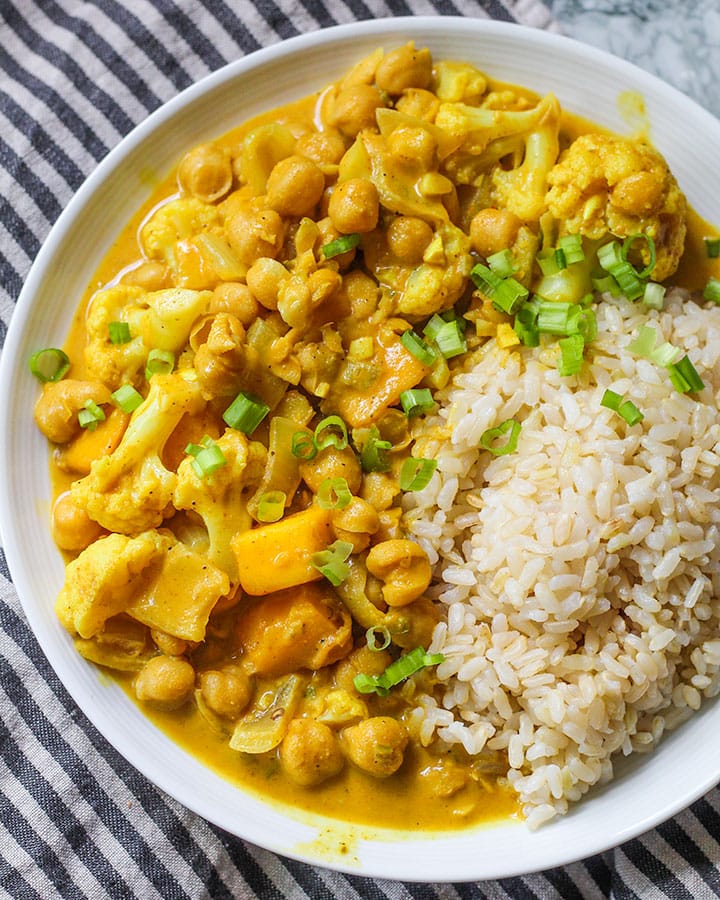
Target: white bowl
x,y
647,790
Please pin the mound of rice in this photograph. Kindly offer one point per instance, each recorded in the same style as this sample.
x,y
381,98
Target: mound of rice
x,y
580,575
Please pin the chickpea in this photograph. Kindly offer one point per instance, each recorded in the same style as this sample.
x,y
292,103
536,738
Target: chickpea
x,y
404,68
295,186
419,104
72,527
404,568
408,238
206,172
235,298
356,523
165,682
380,490
412,144
226,691
56,409
332,463
413,626
354,206
264,278
299,298
255,233
493,230
376,745
326,148
168,643
362,293
354,108
150,276
310,752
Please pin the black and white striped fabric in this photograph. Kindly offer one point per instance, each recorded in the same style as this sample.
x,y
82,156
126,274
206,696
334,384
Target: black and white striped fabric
x,y
76,820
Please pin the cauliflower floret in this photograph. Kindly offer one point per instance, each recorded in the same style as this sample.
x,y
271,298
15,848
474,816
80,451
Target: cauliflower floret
x,y
129,490
157,320
220,498
176,221
152,577
605,185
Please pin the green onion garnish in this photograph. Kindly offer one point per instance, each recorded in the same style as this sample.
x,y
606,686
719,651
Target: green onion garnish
x,y
332,562
127,398
613,258
606,284
340,245
571,246
489,437
396,672
485,279
207,457
416,402
119,333
303,446
627,246
271,506
50,364
555,317
373,456
450,339
372,635
654,295
644,342
246,412
419,349
502,263
665,354
560,259
712,247
159,362
509,296
90,415
630,412
331,432
416,473
334,493
611,400
571,354
528,334
684,376
434,325
712,290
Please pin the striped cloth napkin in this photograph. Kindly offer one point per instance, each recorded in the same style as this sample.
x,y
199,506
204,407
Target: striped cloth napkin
x,y
77,820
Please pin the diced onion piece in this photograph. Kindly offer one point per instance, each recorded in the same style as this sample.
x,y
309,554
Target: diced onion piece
x,y
127,398
509,427
245,413
50,364
416,473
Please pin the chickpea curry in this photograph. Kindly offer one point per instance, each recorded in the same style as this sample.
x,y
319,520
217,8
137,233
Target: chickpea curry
x,y
235,420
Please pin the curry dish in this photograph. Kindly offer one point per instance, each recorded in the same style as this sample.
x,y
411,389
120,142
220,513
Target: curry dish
x,y
241,419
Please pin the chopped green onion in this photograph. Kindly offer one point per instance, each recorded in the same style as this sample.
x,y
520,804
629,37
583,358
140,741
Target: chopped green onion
x,y
303,446
627,246
127,398
419,349
372,634
332,562
644,342
90,415
50,364
416,473
528,334
119,333
340,245
334,493
416,402
502,263
491,435
665,354
396,672
509,296
611,400
450,339
547,262
712,247
612,258
571,246
373,456
159,362
684,376
606,285
571,355
560,259
485,279
434,325
654,295
271,506
331,425
630,412
555,317
207,457
712,290
246,412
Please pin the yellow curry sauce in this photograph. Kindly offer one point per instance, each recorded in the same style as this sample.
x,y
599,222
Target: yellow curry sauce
x,y
269,653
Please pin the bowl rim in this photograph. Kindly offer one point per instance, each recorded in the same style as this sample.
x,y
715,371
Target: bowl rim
x,y
383,863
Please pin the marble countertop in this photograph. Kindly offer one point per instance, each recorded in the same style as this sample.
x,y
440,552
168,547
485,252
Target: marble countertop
x,y
679,40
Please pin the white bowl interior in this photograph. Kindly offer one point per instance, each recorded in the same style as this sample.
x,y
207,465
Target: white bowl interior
x,y
586,81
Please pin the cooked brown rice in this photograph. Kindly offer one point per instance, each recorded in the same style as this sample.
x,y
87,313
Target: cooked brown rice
x,y
580,574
